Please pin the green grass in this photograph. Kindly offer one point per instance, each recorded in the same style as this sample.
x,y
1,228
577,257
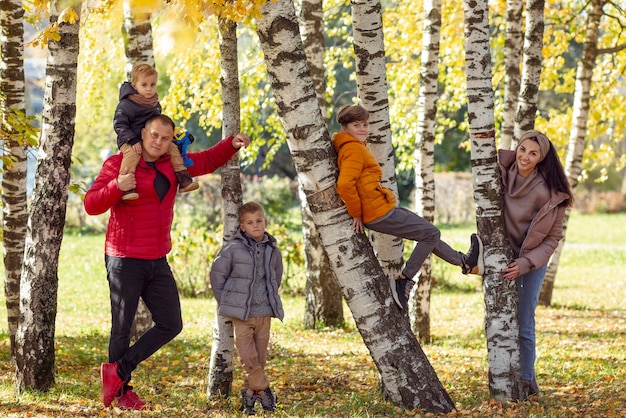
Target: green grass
x,y
581,340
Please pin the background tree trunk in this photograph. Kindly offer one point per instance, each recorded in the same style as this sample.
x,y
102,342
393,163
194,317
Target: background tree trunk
x,y
371,80
222,349
322,292
137,32
576,146
531,70
512,52
425,159
501,325
39,281
14,204
408,378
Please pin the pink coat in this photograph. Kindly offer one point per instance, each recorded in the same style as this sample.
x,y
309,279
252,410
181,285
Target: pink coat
x,y
546,228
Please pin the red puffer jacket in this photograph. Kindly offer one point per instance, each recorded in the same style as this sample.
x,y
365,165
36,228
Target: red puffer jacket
x,y
141,228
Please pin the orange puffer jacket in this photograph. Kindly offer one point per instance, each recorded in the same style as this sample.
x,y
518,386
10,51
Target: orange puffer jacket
x,y
359,180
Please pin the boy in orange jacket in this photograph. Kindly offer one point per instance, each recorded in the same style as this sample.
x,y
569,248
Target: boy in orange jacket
x,y
373,206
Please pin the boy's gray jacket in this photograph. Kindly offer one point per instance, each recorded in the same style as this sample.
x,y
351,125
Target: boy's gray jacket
x,y
232,274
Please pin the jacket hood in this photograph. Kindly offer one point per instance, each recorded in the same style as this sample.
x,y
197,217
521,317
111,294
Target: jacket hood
x,y
341,138
246,239
126,89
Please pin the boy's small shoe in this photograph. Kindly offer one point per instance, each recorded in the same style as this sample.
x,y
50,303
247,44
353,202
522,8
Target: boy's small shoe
x,y
185,182
130,400
267,398
247,402
473,262
404,286
130,195
394,291
401,290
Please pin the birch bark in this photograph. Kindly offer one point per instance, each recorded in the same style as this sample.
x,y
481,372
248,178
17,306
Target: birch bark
x,y
408,378
512,53
500,296
576,146
222,349
371,79
322,292
14,204
39,281
425,158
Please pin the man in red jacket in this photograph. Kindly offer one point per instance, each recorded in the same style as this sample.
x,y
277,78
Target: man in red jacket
x,y
137,243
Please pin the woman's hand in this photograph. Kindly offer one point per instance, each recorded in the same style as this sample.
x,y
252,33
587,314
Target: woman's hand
x,y
511,272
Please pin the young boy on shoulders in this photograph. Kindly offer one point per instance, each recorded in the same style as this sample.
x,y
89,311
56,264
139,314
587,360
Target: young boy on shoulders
x,y
139,101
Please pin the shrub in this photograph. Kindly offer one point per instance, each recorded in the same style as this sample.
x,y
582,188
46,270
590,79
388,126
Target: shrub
x,y
193,251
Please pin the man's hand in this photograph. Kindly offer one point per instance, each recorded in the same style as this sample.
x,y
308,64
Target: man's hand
x,y
240,140
126,181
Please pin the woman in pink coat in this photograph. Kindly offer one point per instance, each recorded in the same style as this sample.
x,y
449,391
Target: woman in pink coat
x,y
536,194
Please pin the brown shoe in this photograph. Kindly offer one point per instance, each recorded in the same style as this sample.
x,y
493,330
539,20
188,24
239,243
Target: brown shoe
x,y
130,195
185,182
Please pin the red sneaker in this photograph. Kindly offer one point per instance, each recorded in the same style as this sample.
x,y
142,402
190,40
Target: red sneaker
x,y
111,382
130,400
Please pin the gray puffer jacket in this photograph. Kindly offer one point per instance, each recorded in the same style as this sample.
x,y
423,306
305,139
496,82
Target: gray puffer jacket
x,y
232,274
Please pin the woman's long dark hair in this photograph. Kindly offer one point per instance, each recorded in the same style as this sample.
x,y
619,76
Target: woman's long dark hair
x,y
552,171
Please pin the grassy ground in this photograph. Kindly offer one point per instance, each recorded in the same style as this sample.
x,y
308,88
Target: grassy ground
x,y
581,340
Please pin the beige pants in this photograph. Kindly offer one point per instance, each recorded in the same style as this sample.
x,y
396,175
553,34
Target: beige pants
x,y
251,339
130,158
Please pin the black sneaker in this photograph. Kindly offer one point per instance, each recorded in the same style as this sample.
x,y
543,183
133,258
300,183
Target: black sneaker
x,y
267,398
247,402
473,262
401,290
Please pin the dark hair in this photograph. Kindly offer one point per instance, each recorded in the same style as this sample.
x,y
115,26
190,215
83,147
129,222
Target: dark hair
x,y
164,119
554,174
250,207
352,113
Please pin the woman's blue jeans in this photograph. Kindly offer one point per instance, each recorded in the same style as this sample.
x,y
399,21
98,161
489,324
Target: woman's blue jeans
x,y
528,289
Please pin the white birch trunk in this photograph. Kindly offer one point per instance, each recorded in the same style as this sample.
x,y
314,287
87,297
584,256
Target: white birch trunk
x,y
137,32
14,204
512,52
576,146
39,281
425,158
220,378
501,325
407,376
322,293
531,70
371,79
312,28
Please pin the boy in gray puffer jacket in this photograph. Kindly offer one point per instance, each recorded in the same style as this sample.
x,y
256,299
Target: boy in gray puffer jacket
x,y
245,277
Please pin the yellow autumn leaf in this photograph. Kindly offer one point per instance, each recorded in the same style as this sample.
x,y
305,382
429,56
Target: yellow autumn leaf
x,y
68,15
